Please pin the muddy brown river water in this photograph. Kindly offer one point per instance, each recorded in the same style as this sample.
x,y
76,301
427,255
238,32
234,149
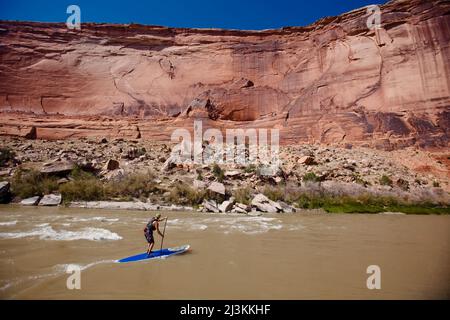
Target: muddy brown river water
x,y
296,256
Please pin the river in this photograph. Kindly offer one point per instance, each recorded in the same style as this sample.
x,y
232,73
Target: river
x,y
280,256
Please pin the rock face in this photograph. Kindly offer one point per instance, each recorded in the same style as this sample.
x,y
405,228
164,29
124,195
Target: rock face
x,y
334,81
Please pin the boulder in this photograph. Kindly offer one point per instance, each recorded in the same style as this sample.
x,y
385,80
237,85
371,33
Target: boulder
x,y
90,166
33,201
238,209
111,165
232,174
169,164
242,206
198,184
270,170
58,168
50,200
402,184
254,213
287,208
62,181
6,172
27,132
242,83
115,174
217,187
132,153
5,195
264,204
211,206
227,205
306,160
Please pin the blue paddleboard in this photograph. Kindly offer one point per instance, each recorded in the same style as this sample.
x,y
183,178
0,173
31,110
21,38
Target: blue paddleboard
x,y
164,253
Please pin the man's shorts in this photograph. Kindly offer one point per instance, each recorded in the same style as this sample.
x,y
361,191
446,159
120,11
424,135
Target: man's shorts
x,y
149,237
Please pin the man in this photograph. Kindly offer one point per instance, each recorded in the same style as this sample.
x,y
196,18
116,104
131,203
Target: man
x,y
152,225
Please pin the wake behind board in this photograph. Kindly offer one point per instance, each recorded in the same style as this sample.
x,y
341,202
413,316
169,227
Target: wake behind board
x,y
164,253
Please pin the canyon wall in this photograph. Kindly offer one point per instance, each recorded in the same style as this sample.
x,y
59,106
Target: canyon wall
x,y
333,82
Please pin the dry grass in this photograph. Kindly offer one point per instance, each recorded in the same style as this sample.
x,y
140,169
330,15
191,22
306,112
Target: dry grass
x,y
243,195
29,183
183,194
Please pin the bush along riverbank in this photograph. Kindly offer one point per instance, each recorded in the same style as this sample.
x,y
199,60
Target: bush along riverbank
x,y
142,191
143,177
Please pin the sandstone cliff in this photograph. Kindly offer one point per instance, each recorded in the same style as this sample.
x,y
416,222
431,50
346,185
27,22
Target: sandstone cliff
x,y
332,82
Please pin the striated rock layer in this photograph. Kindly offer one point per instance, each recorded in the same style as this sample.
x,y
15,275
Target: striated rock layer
x,y
333,82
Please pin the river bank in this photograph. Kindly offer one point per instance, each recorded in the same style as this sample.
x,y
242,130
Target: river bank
x,y
143,175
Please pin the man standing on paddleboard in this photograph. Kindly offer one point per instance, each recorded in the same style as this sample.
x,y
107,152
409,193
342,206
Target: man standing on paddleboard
x,y
152,225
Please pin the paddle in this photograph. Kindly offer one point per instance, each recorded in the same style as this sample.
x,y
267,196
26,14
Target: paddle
x,y
164,233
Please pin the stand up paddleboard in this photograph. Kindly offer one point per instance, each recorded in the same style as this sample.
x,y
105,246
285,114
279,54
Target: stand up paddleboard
x,y
164,253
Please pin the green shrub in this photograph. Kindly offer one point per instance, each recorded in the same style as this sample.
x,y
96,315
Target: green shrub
x,y
199,174
251,168
360,180
243,195
386,181
403,184
183,194
308,201
135,185
78,173
49,185
310,177
87,189
29,183
6,155
365,203
274,193
210,195
218,172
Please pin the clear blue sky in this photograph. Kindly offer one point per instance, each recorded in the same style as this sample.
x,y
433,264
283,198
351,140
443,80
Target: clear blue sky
x,y
231,14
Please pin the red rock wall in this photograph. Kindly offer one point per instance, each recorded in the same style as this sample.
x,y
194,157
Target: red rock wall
x,y
335,81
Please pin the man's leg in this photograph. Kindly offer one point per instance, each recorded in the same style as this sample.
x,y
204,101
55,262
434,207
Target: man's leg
x,y
150,247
